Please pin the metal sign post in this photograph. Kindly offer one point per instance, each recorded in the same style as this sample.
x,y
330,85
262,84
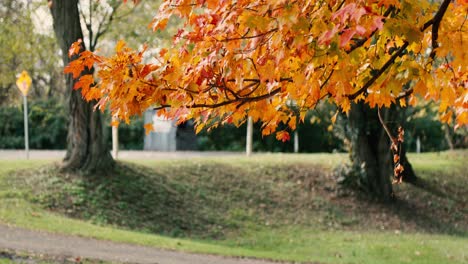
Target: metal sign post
x,y
24,83
26,130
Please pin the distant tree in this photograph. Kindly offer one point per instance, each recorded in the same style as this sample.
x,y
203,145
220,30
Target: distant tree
x,y
21,48
433,135
234,59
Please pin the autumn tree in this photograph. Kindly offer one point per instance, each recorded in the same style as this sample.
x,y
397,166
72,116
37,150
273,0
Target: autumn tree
x,y
86,146
233,59
87,149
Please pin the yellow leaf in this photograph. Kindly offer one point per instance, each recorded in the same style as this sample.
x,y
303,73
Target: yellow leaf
x,y
120,46
345,106
199,127
292,123
403,102
148,128
462,119
333,119
420,88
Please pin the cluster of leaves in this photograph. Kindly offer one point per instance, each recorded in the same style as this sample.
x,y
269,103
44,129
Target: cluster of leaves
x,y
274,60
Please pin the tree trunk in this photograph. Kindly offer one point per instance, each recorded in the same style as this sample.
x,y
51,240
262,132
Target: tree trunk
x,y
370,151
87,150
408,174
448,137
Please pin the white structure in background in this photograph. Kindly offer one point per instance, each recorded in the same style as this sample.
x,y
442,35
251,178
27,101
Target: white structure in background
x,y
418,145
296,141
163,138
249,137
167,135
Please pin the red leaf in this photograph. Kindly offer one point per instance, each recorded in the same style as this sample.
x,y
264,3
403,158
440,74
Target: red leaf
x,y
327,36
346,36
283,136
147,69
377,23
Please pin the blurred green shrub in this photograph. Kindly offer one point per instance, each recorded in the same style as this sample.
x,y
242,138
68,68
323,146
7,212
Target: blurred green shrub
x,y
47,125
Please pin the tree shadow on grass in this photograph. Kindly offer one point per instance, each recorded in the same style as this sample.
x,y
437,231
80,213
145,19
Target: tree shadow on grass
x,y
427,219
133,197
458,194
213,199
201,201
435,205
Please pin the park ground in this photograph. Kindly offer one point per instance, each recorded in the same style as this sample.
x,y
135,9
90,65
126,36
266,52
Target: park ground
x,y
281,207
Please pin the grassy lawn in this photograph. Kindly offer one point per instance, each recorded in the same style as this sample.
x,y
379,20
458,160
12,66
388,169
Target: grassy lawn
x,y
275,206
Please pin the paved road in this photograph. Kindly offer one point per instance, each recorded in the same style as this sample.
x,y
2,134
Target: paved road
x,y
128,154
13,238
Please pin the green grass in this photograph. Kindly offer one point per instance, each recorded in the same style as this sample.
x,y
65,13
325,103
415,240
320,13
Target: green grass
x,y
445,162
294,212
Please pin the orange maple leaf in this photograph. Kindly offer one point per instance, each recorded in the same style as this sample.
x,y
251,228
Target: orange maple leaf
x,y
85,82
75,48
148,128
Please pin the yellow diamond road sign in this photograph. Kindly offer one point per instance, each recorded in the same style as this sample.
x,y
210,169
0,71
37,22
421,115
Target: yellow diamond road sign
x,y
23,83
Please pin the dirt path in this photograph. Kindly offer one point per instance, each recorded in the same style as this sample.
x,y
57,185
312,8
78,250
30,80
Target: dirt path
x,y
12,238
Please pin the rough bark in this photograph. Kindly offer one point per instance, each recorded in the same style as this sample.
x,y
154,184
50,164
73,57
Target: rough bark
x,y
86,149
370,151
408,174
448,137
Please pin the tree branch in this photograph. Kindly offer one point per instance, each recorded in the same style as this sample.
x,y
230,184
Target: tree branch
x,y
404,94
435,25
244,99
238,100
103,25
435,22
380,72
250,37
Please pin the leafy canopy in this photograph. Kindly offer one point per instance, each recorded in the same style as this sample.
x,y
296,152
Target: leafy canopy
x,y
274,60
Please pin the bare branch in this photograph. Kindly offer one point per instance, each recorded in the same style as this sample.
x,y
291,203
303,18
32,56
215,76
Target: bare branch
x,y
250,37
404,94
241,100
435,26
